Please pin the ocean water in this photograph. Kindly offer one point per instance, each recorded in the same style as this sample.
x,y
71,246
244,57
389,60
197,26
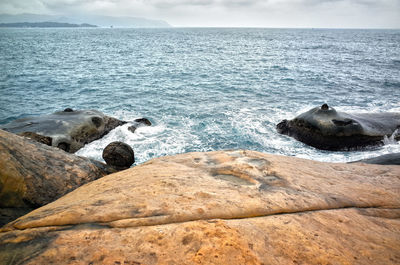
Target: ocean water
x,y
203,89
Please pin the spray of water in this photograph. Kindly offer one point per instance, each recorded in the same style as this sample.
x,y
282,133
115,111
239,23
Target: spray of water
x,y
391,140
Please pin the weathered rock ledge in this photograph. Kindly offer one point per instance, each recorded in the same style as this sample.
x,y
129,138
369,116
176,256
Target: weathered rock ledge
x,y
33,174
227,207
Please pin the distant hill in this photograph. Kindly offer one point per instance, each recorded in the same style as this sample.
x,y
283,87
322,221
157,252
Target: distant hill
x,y
101,21
45,25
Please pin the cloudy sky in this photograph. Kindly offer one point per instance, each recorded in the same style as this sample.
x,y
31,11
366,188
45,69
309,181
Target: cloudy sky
x,y
228,13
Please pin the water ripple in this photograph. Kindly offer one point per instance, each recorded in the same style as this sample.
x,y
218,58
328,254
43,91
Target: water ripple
x,y
203,89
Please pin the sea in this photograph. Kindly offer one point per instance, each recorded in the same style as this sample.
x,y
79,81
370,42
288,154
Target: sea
x,y
203,89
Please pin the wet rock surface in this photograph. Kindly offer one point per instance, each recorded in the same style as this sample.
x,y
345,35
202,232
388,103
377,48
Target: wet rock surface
x,y
139,123
325,128
37,137
227,207
33,174
68,130
119,155
388,159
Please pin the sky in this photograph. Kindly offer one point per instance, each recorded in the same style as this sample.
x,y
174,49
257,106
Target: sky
x,y
228,13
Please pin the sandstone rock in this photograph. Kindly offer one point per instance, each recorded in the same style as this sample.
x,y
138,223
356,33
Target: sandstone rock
x,y
325,128
33,174
68,130
227,207
119,155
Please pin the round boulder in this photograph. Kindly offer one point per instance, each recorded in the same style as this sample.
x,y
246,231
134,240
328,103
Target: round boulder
x,y
119,155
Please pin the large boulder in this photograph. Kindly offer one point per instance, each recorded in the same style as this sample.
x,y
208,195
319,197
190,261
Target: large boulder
x,y
325,128
68,130
226,207
33,174
119,155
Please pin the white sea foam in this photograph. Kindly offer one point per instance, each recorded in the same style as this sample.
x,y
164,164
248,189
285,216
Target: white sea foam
x,y
248,130
391,140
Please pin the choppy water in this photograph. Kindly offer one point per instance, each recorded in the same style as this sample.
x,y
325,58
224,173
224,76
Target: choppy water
x,y
203,89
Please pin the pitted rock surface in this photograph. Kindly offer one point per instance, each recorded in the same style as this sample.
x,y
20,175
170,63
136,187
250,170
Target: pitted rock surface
x,y
226,207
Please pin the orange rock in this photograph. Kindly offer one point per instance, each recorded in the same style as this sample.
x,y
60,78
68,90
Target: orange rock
x,y
33,174
227,207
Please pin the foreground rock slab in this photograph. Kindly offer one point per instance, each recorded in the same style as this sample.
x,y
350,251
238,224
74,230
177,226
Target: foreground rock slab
x,y
69,130
227,207
325,128
33,174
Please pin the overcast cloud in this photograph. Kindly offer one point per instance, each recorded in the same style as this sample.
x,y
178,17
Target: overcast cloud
x,y
228,13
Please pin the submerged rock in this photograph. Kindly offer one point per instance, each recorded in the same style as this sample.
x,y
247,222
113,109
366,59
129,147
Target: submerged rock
x,y
68,130
388,159
325,128
33,174
119,155
226,207
143,121
139,123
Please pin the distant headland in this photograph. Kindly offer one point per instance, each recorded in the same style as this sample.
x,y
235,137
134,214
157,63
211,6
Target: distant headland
x,y
35,20
45,25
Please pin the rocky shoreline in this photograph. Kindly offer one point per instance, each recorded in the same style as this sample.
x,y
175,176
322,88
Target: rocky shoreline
x,y
222,207
39,167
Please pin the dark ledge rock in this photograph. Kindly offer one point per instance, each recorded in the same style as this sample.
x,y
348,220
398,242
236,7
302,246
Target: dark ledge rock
x,y
68,130
388,159
327,129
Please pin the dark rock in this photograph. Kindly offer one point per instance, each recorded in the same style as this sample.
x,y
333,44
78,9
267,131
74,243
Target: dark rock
x,y
10,214
325,128
64,146
119,155
138,123
33,174
143,121
68,130
388,159
325,107
37,137
132,128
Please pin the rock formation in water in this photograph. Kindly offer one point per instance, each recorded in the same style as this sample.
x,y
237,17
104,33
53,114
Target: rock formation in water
x,y
325,128
33,174
226,207
139,123
68,130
